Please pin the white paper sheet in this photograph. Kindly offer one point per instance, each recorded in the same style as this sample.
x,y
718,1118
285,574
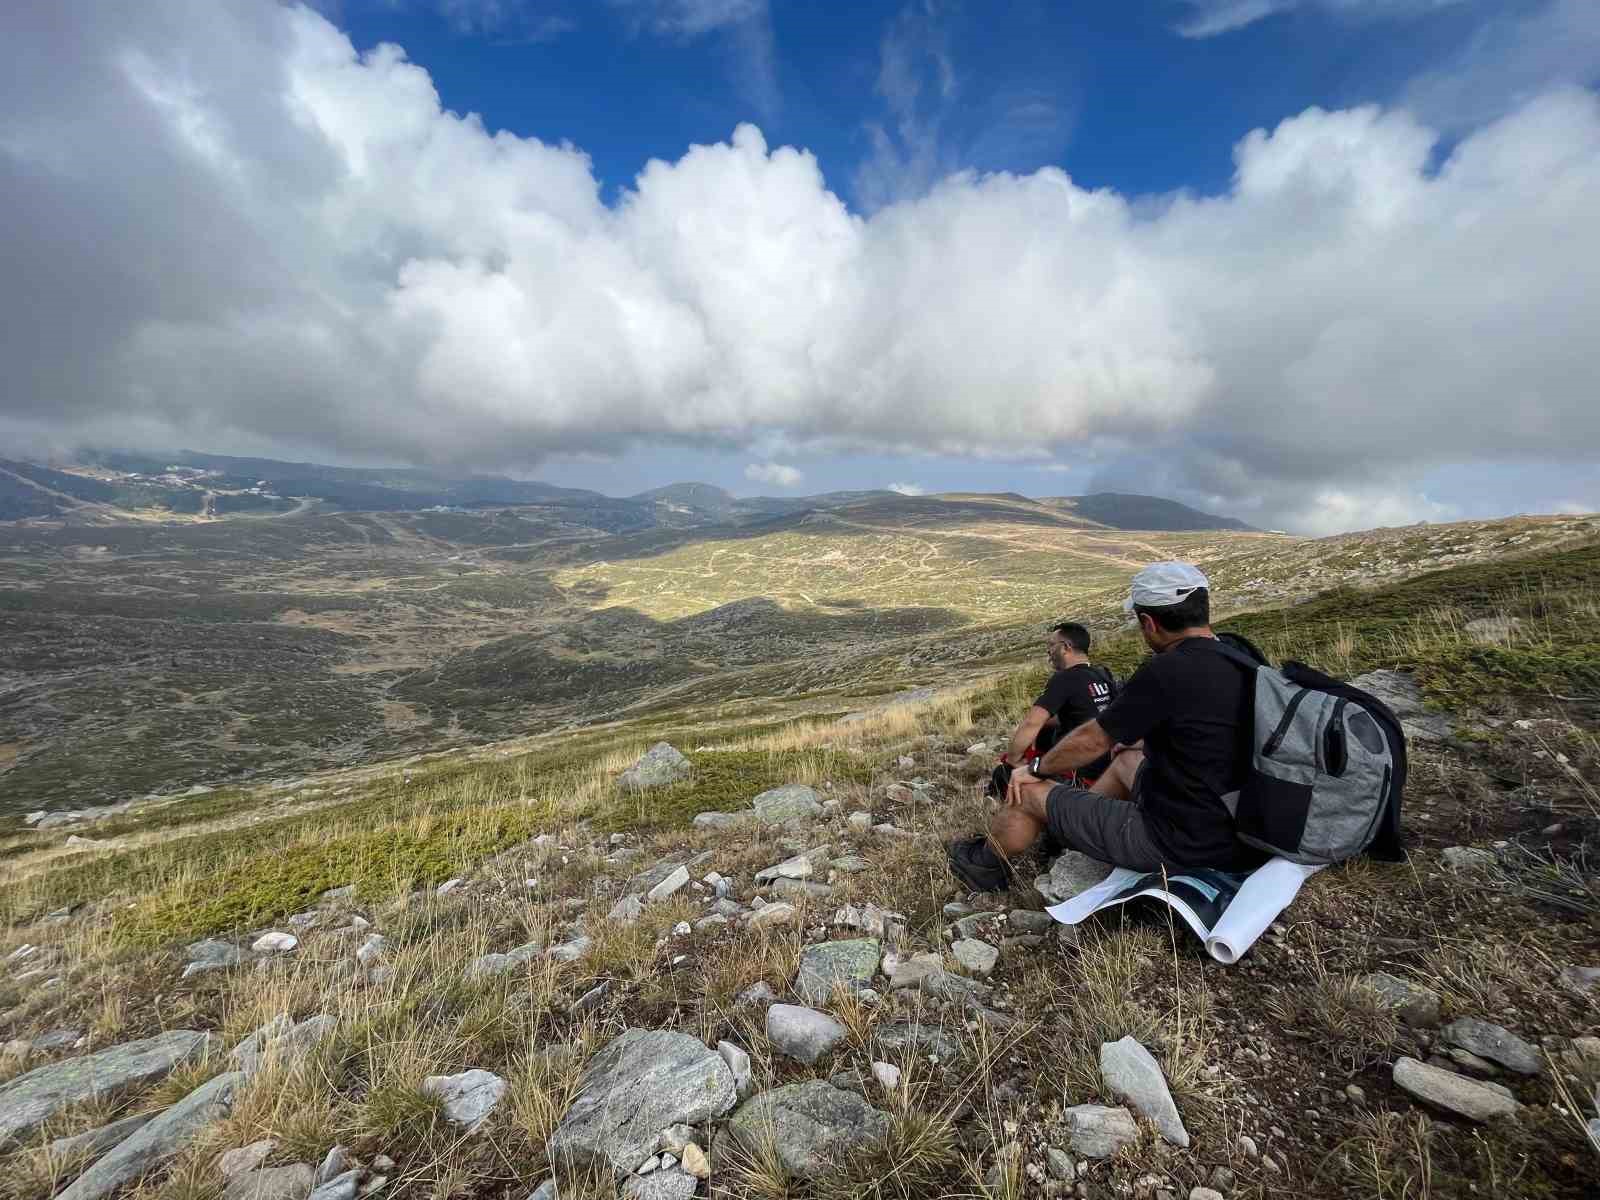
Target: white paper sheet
x,y
1264,894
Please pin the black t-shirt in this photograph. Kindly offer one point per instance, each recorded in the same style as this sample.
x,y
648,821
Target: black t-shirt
x,y
1187,704
1078,694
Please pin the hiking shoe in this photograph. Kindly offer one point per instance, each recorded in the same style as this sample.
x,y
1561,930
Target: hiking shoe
x,y
977,866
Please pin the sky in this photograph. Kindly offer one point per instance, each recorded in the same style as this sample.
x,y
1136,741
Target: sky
x,y
1317,264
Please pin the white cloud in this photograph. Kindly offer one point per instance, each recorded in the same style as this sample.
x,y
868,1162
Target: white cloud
x,y
746,26
1212,17
908,489
777,474
228,229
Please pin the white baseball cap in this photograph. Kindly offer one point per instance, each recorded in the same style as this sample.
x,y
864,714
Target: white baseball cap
x,y
1164,583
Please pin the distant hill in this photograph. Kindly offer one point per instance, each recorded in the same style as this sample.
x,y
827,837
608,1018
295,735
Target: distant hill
x,y
1121,510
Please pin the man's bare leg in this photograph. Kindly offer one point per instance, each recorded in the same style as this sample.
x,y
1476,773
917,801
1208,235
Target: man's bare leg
x,y
1117,779
1016,827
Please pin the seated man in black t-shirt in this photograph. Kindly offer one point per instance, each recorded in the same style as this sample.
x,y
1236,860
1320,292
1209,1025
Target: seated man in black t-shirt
x,y
1159,807
1077,691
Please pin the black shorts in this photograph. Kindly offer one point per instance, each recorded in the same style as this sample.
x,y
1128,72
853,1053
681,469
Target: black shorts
x,y
1102,826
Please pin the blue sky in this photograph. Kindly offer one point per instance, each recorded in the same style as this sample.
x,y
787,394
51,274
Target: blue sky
x,y
1315,263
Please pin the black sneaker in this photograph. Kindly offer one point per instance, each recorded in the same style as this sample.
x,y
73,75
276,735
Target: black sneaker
x,y
977,866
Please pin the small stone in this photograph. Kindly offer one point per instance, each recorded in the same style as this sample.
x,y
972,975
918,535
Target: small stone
x,y
1414,1004
975,956
886,1074
1204,1193
859,821
759,992
448,886
1060,1164
293,1182
1467,859
803,1033
850,964
677,879
275,942
340,1187
1097,1131
1223,1179
1355,1093
570,951
246,1158
627,910
1494,1043
1132,1074
1027,920
694,1162
773,915
1247,1146
335,1164
660,766
738,1063
371,950
650,1164
1069,874
1470,1098
468,1097
787,803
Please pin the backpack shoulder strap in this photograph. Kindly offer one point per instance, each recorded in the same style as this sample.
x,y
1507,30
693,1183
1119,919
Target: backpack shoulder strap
x,y
1236,655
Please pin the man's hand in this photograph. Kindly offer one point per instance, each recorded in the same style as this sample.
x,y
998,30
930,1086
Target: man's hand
x,y
1019,777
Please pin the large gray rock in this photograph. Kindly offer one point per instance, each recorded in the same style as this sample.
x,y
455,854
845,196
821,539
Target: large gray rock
x,y
1132,1074
1096,1131
1497,1044
643,1082
660,766
160,1139
1401,693
851,963
813,1126
1414,1004
270,1183
1474,1099
668,1184
1069,874
96,1141
786,803
803,1033
30,1100
468,1098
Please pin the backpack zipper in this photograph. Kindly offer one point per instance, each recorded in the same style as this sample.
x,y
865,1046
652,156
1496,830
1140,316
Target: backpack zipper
x,y
1282,730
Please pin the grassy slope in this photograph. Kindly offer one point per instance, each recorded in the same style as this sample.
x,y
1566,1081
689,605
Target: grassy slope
x,y
1280,1035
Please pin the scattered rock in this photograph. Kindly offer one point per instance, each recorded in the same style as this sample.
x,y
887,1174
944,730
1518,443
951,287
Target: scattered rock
x,y
869,918
29,1100
759,992
694,1162
738,1065
448,886
720,820
487,966
469,1097
627,910
1414,1004
1132,1074
859,821
371,950
1204,1193
1028,920
590,1000
918,1038
210,954
1401,693
668,1184
1494,1043
886,1074
274,942
786,803
660,766
1095,1131
1060,1165
641,1083
98,1141
340,1187
247,1158
801,866
675,880
158,1140
1470,1098
801,889
56,1039
850,864
851,963
570,951
803,1033
975,956
335,1163
293,1182
813,1126
773,915
1069,874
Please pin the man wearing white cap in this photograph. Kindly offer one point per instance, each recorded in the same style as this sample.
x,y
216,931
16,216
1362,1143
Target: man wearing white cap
x,y
1157,807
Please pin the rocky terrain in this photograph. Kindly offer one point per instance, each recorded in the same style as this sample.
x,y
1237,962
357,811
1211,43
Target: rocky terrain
x,y
729,962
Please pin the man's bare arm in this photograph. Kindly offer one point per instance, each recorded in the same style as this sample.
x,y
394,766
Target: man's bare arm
x,y
1083,745
1026,732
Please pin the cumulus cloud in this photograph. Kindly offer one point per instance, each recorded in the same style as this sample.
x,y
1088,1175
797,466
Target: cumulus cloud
x,y
777,474
228,228
908,489
1208,18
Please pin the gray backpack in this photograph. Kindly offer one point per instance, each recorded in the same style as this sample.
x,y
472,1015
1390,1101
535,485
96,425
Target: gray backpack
x,y
1327,767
